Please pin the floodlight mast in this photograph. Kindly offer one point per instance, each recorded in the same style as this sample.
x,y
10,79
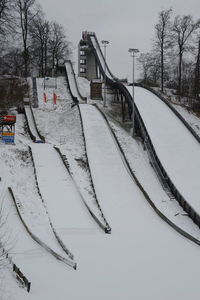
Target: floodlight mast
x,y
133,51
105,43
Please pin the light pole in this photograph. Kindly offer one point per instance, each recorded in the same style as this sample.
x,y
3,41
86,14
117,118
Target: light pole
x,y
133,51
105,43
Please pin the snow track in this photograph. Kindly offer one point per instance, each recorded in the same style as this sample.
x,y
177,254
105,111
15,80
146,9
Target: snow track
x,y
65,207
96,46
100,220
173,144
162,98
71,79
108,171
33,131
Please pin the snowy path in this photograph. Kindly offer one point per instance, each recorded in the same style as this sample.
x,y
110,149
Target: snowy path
x,y
31,122
176,148
64,204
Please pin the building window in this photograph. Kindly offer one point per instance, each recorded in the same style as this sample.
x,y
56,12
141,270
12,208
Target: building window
x,y
82,53
82,61
82,70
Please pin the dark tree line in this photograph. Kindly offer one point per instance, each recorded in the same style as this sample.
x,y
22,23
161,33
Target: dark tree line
x,y
174,60
29,42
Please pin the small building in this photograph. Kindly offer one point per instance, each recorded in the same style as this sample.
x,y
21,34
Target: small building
x,y
96,89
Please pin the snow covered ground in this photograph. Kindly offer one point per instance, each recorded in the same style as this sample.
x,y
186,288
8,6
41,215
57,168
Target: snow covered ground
x,y
143,258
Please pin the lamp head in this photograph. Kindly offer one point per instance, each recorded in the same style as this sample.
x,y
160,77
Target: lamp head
x,y
133,50
104,42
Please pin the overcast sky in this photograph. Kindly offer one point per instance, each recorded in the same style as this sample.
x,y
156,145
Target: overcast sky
x,y
125,23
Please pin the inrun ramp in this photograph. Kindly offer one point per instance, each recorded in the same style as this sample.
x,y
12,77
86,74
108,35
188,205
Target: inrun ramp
x,y
31,123
177,149
64,204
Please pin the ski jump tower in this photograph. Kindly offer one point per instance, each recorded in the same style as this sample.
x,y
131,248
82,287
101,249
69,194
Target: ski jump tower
x,y
87,66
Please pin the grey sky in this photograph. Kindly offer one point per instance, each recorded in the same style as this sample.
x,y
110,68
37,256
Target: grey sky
x,y
125,23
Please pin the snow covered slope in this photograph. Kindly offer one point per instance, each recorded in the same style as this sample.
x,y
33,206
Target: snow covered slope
x,y
176,148
31,123
143,257
65,207
72,82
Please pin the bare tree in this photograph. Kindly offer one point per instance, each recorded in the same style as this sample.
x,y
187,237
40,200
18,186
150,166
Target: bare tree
x,y
26,11
59,47
183,28
163,40
197,74
5,16
12,62
145,64
40,31
150,66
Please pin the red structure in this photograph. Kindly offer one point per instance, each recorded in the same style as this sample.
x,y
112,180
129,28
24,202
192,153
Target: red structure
x,y
54,98
45,98
8,120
